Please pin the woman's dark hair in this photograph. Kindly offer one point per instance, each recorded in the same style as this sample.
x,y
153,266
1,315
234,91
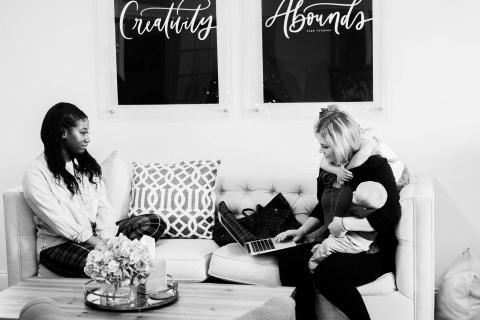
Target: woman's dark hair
x,y
59,118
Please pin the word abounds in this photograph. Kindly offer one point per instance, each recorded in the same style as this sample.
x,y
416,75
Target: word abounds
x,y
296,17
174,18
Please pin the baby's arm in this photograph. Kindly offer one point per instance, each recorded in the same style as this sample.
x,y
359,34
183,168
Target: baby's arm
x,y
340,171
367,149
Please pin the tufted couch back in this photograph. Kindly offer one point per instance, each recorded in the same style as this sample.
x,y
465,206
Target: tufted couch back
x,y
241,191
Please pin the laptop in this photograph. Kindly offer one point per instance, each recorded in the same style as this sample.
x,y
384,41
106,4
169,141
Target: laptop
x,y
253,247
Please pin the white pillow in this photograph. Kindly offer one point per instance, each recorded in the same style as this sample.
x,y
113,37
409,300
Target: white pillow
x,y
459,292
117,175
182,194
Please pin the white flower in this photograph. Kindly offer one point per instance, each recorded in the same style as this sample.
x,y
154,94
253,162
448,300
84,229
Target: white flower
x,y
119,261
135,256
124,250
113,266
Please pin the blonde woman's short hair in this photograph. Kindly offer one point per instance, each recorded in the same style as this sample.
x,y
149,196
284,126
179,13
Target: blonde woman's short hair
x,y
340,131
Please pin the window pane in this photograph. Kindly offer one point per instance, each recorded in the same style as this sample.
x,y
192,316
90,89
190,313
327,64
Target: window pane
x,y
166,52
316,51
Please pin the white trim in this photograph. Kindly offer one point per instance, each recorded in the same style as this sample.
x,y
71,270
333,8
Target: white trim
x,y
253,69
3,280
105,74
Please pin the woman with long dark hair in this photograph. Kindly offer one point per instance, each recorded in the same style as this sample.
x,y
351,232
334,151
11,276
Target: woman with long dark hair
x,y
64,188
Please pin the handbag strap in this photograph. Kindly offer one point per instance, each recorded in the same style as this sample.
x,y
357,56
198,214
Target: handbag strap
x,y
248,216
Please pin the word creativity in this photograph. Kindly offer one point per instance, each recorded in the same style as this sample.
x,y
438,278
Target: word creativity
x,y
172,22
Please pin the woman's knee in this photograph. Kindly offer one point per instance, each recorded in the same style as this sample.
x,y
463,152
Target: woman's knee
x,y
138,226
329,273
155,226
153,219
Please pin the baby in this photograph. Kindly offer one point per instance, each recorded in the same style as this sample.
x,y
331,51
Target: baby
x,y
368,197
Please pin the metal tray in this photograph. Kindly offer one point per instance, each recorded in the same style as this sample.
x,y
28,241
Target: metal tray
x,y
94,297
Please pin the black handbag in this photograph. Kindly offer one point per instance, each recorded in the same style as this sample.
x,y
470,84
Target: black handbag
x,y
277,216
266,222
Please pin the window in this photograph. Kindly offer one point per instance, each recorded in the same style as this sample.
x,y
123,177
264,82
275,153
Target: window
x,y
304,54
161,60
166,52
317,52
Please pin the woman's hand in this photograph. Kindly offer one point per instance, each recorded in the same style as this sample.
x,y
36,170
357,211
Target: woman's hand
x,y
297,235
94,240
336,227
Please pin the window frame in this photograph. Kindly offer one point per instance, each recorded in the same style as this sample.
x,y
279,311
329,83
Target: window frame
x,y
254,107
105,69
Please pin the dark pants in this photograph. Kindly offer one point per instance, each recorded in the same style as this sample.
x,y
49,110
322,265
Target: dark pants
x,y
69,258
336,278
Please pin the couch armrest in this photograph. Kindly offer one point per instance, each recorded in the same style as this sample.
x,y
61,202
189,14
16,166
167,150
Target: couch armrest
x,y
415,252
21,236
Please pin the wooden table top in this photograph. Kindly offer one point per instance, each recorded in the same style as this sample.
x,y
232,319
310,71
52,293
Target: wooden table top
x,y
196,300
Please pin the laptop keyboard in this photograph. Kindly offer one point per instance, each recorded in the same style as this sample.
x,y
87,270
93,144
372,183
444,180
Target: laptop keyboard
x,y
262,245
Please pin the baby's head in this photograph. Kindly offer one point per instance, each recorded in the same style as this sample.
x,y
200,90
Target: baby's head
x,y
370,194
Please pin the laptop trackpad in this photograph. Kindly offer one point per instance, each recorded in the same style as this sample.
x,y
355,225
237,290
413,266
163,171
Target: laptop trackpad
x,y
285,244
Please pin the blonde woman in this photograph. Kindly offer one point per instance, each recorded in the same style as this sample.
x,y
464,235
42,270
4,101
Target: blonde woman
x,y
370,144
339,274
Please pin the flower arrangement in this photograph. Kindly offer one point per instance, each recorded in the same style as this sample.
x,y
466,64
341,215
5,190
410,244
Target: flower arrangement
x,y
119,262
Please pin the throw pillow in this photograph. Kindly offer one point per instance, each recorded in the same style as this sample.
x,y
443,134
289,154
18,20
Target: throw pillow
x,y
117,175
459,291
182,194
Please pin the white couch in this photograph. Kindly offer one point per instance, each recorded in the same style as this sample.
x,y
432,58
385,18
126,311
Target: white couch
x,y
409,294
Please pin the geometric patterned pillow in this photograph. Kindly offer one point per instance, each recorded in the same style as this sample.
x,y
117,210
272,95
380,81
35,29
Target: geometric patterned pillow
x,y
182,194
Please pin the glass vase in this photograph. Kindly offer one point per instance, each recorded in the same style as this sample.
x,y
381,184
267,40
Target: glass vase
x,y
118,295
111,296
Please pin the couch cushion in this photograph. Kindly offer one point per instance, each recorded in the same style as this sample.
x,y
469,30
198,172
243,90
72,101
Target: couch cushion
x,y
43,272
117,175
232,263
182,194
382,285
187,259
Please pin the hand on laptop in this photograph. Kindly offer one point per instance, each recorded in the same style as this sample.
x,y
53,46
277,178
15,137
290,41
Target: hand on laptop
x,y
296,234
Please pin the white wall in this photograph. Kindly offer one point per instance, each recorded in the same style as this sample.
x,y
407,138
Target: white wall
x,y
430,53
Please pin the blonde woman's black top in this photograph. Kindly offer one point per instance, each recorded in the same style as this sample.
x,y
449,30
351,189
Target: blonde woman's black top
x,y
382,220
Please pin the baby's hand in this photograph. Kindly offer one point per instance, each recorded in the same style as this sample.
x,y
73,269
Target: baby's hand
x,y
313,263
314,248
343,175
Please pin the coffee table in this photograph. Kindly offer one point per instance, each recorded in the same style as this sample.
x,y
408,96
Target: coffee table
x,y
196,300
